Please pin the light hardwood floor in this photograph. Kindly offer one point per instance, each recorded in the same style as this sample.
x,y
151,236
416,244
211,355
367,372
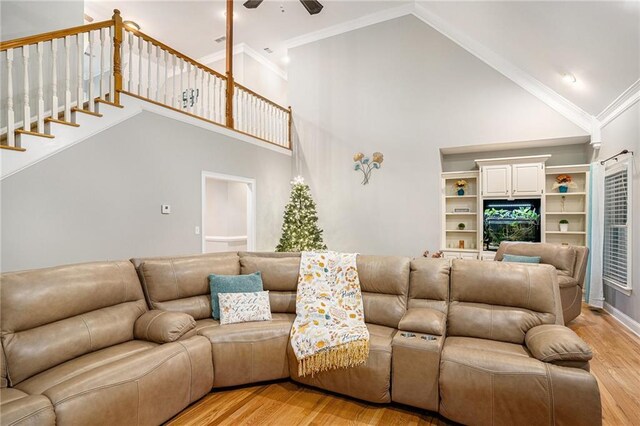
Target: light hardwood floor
x,y
616,365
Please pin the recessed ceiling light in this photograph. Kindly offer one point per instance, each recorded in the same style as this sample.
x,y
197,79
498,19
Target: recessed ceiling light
x,y
569,78
286,59
268,50
131,24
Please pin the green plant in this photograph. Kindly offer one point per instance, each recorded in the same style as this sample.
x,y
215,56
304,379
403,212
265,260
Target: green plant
x,y
461,226
563,221
510,225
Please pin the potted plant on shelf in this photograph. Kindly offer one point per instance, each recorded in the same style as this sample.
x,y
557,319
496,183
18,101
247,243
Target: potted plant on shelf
x,y
564,225
564,182
461,226
460,186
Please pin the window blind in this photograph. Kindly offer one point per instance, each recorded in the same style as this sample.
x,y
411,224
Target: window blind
x,y
616,228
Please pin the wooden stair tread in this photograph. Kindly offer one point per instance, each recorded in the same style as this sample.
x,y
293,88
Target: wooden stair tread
x,y
102,101
58,121
85,111
12,148
30,133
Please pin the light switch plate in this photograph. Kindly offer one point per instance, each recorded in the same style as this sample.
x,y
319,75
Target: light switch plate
x,y
166,209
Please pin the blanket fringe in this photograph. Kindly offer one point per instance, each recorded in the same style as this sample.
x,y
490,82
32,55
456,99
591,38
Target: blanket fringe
x,y
346,355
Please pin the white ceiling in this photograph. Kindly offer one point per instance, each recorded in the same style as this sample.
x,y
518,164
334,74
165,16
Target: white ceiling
x,y
597,41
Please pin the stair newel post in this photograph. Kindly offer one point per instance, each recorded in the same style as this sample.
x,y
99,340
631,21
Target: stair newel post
x,y
230,82
117,56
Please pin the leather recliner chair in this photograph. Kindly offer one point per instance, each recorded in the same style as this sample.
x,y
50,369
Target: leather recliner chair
x,y
570,263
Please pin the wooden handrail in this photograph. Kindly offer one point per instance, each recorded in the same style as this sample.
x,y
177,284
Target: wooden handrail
x,y
173,51
251,92
51,35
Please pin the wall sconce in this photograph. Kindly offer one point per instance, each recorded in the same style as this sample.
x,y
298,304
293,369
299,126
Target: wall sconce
x,y
366,165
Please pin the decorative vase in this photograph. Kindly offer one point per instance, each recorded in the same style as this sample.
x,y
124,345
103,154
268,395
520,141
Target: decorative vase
x,y
460,191
564,227
563,188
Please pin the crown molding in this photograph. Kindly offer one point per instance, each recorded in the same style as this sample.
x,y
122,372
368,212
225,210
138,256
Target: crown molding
x,y
569,110
623,102
354,24
249,51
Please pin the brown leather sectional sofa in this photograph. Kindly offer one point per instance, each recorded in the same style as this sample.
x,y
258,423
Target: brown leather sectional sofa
x,y
480,342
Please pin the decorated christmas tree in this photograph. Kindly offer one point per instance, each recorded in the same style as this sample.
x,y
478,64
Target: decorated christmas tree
x,y
300,231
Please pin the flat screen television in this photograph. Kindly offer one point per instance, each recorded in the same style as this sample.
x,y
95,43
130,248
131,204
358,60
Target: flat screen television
x,y
510,220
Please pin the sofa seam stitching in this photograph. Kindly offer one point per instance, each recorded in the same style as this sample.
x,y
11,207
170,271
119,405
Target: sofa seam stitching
x,y
175,279
138,407
552,420
190,371
122,382
498,373
146,332
88,331
26,416
124,285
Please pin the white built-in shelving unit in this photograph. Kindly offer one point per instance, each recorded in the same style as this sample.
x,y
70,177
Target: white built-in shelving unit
x,y
451,234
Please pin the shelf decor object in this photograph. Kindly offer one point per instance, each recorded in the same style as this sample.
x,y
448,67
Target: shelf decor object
x,y
366,165
564,225
461,226
460,186
563,183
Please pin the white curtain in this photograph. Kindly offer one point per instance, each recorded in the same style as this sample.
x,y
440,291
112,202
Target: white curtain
x,y
594,292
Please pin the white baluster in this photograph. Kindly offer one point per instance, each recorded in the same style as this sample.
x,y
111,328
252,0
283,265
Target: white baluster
x,y
181,94
54,75
189,106
216,84
130,65
40,118
206,80
149,48
80,71
198,91
158,54
11,119
140,53
67,79
90,76
112,83
26,123
166,75
173,91
103,37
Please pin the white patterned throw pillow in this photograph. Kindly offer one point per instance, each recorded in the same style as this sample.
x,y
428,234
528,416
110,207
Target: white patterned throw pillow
x,y
244,307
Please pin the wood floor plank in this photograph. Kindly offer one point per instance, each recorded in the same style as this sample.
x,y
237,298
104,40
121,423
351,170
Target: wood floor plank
x,y
616,366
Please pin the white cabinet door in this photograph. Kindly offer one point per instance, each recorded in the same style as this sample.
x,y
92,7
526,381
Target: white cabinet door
x,y
528,179
471,256
496,180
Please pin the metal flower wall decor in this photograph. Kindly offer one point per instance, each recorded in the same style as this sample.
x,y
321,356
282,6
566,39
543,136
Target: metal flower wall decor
x,y
366,165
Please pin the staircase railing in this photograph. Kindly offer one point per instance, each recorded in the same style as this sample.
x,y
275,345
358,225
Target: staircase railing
x,y
81,66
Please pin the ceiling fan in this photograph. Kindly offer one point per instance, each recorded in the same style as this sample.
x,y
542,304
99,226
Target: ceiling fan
x,y
312,6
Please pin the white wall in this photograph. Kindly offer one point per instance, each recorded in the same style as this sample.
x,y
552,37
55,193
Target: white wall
x,y
25,17
225,214
101,198
404,89
624,133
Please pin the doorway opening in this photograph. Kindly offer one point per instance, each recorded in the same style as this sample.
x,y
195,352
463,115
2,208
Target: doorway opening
x,y
228,213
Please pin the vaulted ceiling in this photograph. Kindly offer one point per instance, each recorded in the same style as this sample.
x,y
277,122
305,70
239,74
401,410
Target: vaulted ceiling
x,y
598,42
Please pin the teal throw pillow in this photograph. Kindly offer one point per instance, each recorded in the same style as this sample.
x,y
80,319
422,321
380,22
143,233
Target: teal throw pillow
x,y
520,259
232,284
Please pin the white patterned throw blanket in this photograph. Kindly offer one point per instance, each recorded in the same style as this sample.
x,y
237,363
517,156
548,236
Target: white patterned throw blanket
x,y
329,330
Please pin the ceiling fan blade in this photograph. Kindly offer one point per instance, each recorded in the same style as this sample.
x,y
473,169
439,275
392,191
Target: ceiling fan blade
x,y
312,6
252,4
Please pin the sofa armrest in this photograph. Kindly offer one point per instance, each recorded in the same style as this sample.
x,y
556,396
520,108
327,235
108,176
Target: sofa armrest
x,y
556,343
163,326
424,320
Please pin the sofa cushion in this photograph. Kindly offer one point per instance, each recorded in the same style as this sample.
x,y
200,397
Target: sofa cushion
x,y
424,320
566,281
429,284
182,283
484,382
249,352
52,315
370,382
163,326
551,343
148,387
500,301
520,259
47,379
232,284
384,281
279,277
18,408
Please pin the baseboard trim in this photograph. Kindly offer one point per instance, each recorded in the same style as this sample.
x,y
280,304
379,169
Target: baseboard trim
x,y
623,319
